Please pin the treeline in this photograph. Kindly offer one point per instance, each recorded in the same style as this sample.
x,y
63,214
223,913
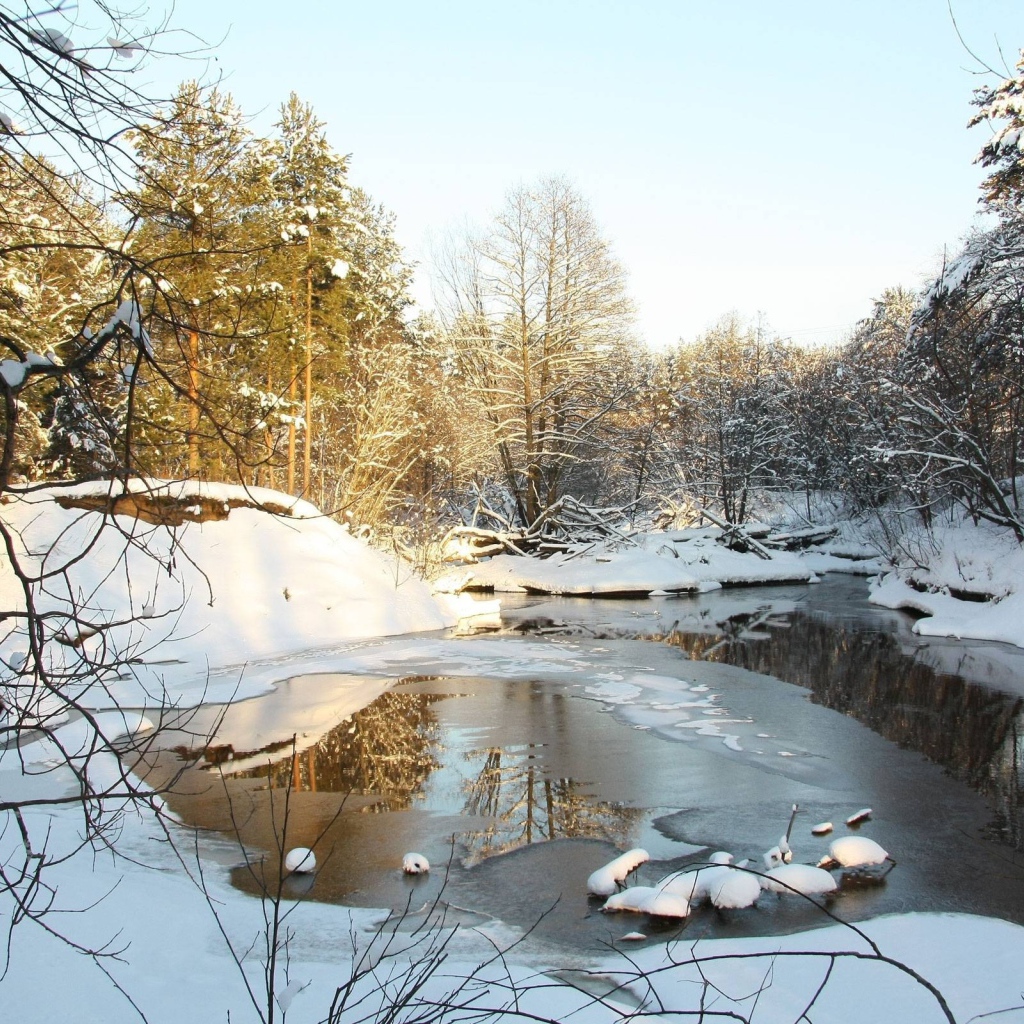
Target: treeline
x,y
281,351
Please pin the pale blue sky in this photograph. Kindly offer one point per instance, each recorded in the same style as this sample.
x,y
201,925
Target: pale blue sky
x,y
792,158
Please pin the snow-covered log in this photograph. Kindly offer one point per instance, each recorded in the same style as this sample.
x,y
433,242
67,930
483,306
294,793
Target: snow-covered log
x,y
736,537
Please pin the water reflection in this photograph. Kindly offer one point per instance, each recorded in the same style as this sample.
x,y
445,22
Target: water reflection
x,y
524,805
400,753
973,731
388,749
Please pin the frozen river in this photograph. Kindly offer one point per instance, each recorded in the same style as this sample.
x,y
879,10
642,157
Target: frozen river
x,y
518,761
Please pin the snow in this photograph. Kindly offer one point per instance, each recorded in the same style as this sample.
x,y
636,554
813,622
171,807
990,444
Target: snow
x,y
604,881
801,879
14,371
251,586
631,899
856,852
708,879
415,864
678,561
122,47
665,904
300,860
943,571
735,889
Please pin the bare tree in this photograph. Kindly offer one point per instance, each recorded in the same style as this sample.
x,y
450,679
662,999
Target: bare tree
x,y
535,311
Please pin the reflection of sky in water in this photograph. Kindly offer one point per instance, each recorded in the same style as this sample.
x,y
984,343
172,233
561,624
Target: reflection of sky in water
x,y
514,789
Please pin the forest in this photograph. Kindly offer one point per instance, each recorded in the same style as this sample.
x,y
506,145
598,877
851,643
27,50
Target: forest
x,y
283,348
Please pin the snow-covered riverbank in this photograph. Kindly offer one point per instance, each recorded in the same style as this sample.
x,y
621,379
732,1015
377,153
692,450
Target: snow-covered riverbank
x,y
225,583
263,589
967,580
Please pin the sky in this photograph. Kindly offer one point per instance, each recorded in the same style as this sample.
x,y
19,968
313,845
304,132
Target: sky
x,y
788,159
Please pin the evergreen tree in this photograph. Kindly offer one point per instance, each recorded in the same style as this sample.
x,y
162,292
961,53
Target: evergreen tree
x,y
201,213
1004,151
311,196
55,268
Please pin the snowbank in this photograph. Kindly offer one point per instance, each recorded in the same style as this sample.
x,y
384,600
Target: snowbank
x,y
176,966
230,583
967,579
678,561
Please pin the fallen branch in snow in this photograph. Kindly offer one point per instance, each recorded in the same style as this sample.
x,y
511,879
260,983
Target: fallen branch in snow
x,y
798,540
736,536
564,526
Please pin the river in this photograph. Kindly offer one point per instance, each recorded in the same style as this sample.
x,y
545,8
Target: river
x,y
519,760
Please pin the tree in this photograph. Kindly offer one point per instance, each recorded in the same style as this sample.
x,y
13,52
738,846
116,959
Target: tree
x,y
731,389
53,270
62,86
198,216
535,311
961,426
311,196
1003,104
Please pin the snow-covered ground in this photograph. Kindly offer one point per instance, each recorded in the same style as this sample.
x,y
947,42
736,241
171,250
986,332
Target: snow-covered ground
x,y
208,594
675,561
967,580
250,598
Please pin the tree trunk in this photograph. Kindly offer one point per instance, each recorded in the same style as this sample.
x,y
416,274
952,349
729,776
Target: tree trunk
x,y
308,446
192,365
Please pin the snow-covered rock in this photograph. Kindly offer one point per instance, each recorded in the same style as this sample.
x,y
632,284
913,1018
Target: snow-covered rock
x,y
300,861
854,852
604,881
665,904
415,864
734,889
631,899
680,883
799,878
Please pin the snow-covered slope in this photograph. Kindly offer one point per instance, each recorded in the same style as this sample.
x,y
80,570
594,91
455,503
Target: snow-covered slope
x,y
967,579
211,591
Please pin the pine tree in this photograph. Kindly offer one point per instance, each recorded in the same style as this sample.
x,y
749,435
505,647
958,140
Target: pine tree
x,y
311,197
201,212
1004,151
54,269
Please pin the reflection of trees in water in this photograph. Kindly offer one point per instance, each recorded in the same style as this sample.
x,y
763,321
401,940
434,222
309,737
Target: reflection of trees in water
x,y
387,749
527,806
969,729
